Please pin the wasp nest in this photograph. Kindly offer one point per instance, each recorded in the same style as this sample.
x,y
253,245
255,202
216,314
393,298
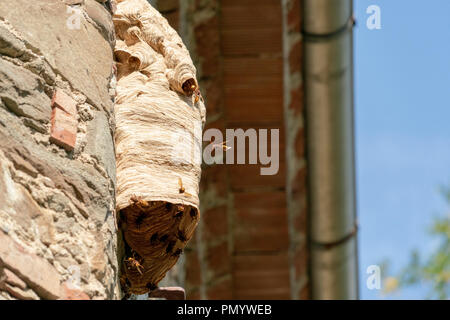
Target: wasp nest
x,y
156,233
159,116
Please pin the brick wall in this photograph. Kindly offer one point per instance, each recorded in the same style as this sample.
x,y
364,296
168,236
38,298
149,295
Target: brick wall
x,y
57,165
252,239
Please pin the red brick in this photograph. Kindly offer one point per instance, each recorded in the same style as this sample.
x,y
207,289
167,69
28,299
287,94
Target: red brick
x,y
295,57
278,293
301,222
193,295
260,264
261,239
248,109
214,179
261,276
297,103
216,124
254,103
64,102
220,290
253,70
301,258
169,293
261,222
299,183
252,41
213,94
63,130
231,3
305,292
245,17
300,143
257,92
168,5
215,223
244,176
257,203
207,39
251,29
193,272
294,16
263,89
247,176
218,260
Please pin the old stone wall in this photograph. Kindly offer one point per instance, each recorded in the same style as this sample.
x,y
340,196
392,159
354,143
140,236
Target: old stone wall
x,y
58,236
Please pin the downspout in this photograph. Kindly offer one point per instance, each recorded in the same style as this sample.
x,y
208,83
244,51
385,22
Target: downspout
x,y
328,76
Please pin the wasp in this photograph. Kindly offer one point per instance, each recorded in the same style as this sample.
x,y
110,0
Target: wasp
x,y
181,235
180,184
135,264
196,96
222,146
151,286
140,219
182,189
164,238
178,215
189,86
141,203
177,253
180,211
124,281
154,238
170,246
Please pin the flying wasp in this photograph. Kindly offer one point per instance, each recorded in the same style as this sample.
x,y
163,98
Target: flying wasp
x,y
135,264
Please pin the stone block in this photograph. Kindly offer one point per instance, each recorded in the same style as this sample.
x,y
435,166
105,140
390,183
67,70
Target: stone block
x,y
37,272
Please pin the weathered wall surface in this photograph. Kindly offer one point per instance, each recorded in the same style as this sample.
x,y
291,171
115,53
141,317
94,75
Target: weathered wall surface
x,y
57,164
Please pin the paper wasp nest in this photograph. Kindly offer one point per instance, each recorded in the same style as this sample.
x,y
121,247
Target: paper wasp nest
x,y
159,116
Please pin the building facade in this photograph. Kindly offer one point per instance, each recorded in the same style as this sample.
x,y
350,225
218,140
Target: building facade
x,y
261,64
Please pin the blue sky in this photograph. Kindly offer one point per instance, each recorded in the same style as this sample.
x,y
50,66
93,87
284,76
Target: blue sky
x,y
402,103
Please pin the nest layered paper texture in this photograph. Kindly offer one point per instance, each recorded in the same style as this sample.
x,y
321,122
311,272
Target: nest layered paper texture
x,y
158,143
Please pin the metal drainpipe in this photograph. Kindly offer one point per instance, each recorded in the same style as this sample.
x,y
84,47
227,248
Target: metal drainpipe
x,y
328,76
